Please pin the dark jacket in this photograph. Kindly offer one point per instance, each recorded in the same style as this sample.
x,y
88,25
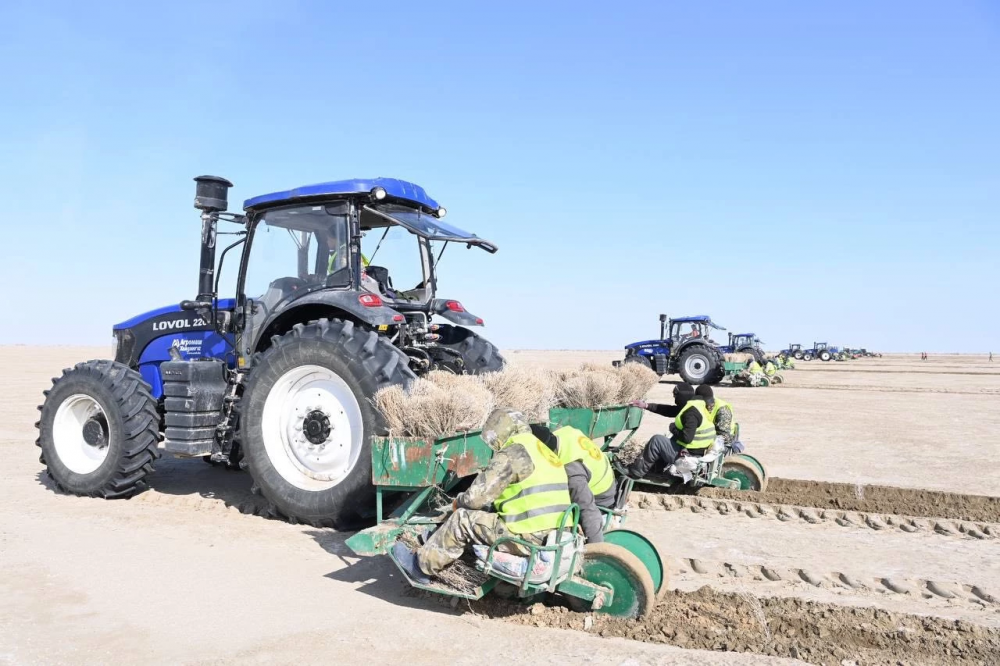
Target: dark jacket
x,y
689,422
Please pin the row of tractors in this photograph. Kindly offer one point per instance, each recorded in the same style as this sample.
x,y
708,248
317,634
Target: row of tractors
x,y
825,352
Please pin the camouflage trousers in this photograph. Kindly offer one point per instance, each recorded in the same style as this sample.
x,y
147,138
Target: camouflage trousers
x,y
466,527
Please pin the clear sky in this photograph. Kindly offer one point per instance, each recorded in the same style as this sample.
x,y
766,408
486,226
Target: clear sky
x,y
808,171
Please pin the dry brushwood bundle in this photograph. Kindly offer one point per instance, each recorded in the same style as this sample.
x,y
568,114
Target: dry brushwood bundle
x,y
530,391
430,411
588,388
637,380
739,357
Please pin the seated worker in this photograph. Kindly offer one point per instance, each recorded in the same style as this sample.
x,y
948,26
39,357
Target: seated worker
x,y
692,431
769,368
524,484
720,413
591,479
753,367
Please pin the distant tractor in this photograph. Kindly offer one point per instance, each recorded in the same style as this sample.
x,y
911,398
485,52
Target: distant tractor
x,y
692,354
794,351
820,350
278,379
745,343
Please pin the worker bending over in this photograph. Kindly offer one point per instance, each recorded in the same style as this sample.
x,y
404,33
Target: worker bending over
x,y
591,478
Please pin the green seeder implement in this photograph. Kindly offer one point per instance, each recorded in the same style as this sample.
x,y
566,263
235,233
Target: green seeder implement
x,y
621,577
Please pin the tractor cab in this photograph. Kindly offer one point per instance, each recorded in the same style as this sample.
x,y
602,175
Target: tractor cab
x,y
683,329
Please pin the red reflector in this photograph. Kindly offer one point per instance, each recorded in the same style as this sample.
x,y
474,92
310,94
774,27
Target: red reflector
x,y
398,318
479,321
454,306
370,300
432,337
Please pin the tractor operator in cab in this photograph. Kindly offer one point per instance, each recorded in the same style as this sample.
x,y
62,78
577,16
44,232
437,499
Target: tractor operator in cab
x,y
591,478
524,484
721,414
692,431
694,333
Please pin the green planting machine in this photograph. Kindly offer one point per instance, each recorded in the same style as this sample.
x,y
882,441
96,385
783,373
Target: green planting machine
x,y
415,480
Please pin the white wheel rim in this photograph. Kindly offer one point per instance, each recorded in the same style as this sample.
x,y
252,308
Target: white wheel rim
x,y
305,464
67,434
696,366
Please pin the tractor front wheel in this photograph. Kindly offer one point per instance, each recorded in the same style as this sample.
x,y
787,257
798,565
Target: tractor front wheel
x,y
98,430
307,419
798,355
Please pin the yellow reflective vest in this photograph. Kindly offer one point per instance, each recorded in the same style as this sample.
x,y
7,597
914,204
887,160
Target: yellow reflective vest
x,y
769,369
574,445
705,435
755,368
535,504
719,404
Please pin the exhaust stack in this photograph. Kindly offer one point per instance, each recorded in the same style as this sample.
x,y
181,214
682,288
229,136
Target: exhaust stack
x,y
211,198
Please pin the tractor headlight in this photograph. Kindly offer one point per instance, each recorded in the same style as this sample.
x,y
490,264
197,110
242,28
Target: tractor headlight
x,y
378,193
441,212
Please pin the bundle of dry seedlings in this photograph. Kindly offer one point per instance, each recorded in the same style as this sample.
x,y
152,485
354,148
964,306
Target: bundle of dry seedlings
x,y
594,385
429,411
740,357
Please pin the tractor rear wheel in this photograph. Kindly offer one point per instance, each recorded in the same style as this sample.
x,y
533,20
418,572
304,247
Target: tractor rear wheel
x,y
757,354
798,355
307,420
701,364
807,356
99,430
825,355
477,355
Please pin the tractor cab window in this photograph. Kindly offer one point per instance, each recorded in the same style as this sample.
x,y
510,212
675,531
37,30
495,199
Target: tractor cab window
x,y
297,249
396,258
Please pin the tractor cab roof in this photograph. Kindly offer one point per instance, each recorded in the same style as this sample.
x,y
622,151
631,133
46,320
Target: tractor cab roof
x,y
403,203
394,188
697,319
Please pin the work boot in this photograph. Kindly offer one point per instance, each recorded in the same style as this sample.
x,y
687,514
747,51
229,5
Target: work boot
x,y
407,560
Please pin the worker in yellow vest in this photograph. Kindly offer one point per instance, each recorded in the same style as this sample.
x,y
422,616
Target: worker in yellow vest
x,y
591,478
692,431
721,414
524,484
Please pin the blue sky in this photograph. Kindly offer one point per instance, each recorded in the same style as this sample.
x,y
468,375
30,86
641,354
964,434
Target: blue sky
x,y
809,171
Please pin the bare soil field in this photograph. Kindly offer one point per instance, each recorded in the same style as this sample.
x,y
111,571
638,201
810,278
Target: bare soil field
x,y
877,542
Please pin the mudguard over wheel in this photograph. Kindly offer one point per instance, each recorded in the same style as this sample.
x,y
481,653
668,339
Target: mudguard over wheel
x,y
99,430
613,566
307,419
701,364
476,354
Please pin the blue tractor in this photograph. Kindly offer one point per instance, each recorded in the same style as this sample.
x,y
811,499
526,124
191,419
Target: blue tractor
x,y
690,353
744,343
277,378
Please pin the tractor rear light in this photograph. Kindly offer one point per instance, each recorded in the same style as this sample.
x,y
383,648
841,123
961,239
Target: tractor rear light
x,y
479,320
370,300
434,327
398,318
454,306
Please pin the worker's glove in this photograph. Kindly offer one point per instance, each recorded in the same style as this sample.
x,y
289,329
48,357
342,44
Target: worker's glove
x,y
641,404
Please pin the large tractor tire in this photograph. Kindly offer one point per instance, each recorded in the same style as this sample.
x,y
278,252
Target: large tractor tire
x,y
757,354
807,356
825,355
798,355
307,420
99,430
701,364
477,355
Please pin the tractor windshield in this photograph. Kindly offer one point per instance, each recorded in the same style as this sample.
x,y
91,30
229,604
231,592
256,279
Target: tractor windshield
x,y
299,247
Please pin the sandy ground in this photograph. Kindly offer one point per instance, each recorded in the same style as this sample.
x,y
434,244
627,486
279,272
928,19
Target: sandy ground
x,y
179,575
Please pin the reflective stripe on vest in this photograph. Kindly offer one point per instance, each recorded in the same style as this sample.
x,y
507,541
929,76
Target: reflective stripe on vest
x,y
704,436
574,445
535,504
719,404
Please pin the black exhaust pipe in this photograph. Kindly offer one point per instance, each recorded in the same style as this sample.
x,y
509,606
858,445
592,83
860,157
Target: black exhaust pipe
x,y
211,198
663,327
